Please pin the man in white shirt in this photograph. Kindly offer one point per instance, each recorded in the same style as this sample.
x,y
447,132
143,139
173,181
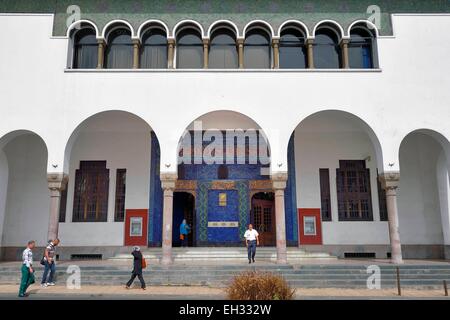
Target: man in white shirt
x,y
27,269
252,240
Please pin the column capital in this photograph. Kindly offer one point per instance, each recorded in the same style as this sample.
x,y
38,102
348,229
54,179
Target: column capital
x,y
205,41
57,181
275,41
171,41
101,41
279,180
240,41
344,41
389,180
309,41
168,181
136,42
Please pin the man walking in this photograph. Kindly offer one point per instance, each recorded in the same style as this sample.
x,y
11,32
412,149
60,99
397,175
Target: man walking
x,y
252,240
49,264
138,264
27,269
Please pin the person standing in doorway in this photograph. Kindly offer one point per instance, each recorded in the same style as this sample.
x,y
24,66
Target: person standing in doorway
x,y
27,269
185,229
138,264
49,264
251,240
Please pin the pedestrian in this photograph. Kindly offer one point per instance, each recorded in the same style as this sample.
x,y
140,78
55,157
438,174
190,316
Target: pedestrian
x,y
48,261
139,263
251,240
185,229
27,269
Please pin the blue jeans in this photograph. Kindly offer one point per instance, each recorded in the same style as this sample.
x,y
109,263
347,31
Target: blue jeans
x,y
184,242
48,267
251,250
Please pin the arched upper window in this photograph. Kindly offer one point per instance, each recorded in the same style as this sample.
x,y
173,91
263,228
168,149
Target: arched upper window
x,y
85,54
292,49
189,49
154,49
257,50
361,48
223,52
119,52
327,52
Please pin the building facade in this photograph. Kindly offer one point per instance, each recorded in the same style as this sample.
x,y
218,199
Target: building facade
x,y
324,124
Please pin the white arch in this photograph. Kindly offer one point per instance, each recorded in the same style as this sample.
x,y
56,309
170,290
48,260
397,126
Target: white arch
x,y
80,22
188,22
151,22
256,22
118,22
370,25
332,22
294,22
222,22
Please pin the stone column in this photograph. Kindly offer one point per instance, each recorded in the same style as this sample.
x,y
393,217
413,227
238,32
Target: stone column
x,y
276,53
344,50
170,53
310,52
56,183
240,45
205,53
279,184
390,182
136,53
168,185
101,53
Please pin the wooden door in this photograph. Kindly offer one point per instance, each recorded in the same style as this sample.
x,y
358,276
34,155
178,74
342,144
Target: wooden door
x,y
263,220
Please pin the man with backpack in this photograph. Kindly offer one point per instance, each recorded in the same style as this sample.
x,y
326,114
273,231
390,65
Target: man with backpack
x,y
139,263
48,261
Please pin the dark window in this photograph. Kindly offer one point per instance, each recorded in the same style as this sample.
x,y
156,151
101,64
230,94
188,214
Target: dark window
x,y
292,49
360,49
85,54
325,198
382,202
181,172
353,191
189,49
154,49
90,202
257,50
63,205
222,172
121,181
223,52
119,52
327,52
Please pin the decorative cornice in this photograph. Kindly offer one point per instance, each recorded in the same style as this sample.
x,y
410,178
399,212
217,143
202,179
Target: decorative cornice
x,y
57,181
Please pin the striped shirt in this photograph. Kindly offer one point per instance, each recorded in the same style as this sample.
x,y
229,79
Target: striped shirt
x,y
51,251
27,257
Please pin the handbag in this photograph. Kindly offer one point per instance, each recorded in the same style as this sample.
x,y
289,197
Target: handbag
x,y
144,263
181,236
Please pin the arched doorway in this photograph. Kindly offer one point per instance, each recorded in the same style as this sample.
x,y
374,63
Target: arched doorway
x,y
24,193
423,196
183,208
262,217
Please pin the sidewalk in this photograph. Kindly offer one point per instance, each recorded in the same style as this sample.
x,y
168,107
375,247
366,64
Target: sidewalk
x,y
193,293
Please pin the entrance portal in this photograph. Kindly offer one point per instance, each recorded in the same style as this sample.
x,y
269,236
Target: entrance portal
x,y
183,208
263,217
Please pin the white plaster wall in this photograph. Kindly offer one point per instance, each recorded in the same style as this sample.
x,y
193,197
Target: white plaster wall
x,y
418,194
320,142
28,199
124,142
3,190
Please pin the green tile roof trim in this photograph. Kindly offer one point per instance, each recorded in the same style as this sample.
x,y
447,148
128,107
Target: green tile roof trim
x,y
239,11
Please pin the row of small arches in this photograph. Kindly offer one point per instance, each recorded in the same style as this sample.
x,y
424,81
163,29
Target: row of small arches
x,y
221,50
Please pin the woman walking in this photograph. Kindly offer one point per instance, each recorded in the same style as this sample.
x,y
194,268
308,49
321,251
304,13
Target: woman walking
x,y
138,265
185,229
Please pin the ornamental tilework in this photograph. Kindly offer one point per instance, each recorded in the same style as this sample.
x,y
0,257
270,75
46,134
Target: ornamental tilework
x,y
239,11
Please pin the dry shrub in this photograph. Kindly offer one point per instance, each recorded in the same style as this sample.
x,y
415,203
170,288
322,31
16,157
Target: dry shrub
x,y
254,285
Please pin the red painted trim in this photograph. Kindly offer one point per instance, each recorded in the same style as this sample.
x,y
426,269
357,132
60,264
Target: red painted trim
x,y
136,241
309,239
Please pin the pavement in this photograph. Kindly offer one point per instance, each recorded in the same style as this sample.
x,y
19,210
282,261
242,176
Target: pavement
x,y
8,292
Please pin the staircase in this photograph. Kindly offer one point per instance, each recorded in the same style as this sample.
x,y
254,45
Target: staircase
x,y
236,254
339,275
